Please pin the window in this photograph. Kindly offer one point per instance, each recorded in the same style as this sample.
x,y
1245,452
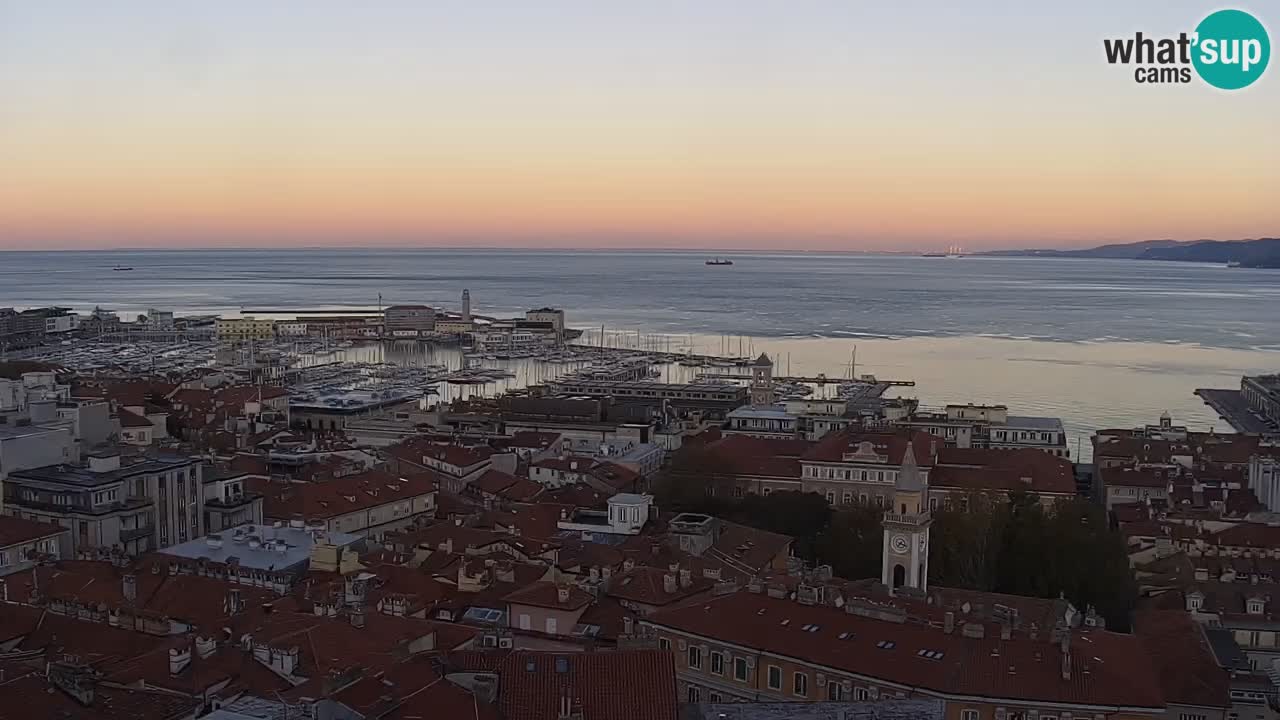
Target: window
x,y
969,715
717,663
800,684
933,504
525,622
4,558
1181,716
860,693
716,697
693,693
775,677
664,644
848,498
835,691
695,657
831,497
740,669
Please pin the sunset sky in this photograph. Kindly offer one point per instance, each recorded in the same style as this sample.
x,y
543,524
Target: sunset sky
x,y
704,123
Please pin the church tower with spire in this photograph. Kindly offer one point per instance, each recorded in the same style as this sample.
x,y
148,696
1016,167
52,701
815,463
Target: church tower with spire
x,y
762,394
905,557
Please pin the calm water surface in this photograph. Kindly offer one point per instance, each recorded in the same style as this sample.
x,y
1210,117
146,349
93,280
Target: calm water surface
x,y
1096,342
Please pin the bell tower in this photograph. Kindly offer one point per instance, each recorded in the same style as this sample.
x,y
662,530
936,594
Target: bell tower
x,y
905,557
762,381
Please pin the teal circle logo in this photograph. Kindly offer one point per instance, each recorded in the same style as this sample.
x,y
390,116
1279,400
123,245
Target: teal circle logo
x,y
1231,49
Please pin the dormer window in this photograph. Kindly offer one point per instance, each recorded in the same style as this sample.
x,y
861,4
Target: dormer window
x,y
1255,606
1195,601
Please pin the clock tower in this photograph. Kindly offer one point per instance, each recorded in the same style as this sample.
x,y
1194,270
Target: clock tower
x,y
906,529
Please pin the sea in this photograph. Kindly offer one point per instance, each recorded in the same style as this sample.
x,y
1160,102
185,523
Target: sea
x,y
1098,343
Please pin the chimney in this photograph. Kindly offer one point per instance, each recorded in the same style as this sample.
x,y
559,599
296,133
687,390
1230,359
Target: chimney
x,y
949,622
1066,657
1006,631
628,624
562,594
686,578
205,647
179,659
104,462
357,616
669,583
130,587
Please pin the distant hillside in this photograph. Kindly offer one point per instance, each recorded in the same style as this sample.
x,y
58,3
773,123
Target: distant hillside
x,y
1260,253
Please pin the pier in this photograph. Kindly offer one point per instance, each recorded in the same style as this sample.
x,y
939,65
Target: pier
x,y
815,380
1232,407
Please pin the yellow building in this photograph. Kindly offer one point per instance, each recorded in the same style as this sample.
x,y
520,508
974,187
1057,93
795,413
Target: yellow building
x,y
245,329
454,326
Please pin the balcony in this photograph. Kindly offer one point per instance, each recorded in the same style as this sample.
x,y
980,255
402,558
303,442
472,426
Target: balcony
x,y
919,518
137,533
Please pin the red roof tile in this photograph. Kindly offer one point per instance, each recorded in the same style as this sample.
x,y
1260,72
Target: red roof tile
x,y
131,419
547,595
632,684
15,530
1005,470
331,498
1107,669
892,445
1188,670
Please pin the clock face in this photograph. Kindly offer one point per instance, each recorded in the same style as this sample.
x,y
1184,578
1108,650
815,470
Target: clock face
x,y
899,543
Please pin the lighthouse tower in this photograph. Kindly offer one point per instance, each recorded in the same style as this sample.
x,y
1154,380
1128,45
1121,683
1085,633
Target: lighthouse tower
x,y
466,306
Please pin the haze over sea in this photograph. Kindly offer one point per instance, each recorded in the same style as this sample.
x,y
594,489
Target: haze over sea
x,y
1097,342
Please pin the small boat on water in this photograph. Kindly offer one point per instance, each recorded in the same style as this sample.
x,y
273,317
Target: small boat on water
x,y
933,255
1233,263
720,261
121,268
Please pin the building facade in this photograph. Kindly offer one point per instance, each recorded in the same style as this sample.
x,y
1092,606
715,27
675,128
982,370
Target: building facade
x,y
147,505
244,329
417,319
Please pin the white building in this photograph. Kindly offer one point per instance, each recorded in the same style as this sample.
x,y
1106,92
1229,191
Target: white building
x,y
552,316
160,319
1264,479
627,515
764,422
61,323
990,426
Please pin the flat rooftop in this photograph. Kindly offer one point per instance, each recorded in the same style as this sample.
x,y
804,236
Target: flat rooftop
x,y
82,476
645,385
1034,421
9,431
631,499
277,547
761,414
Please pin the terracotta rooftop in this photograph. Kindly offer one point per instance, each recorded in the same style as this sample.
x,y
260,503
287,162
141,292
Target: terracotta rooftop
x,y
647,586
339,496
1188,670
15,530
632,684
129,419
546,595
890,445
1004,470
1107,669
506,486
